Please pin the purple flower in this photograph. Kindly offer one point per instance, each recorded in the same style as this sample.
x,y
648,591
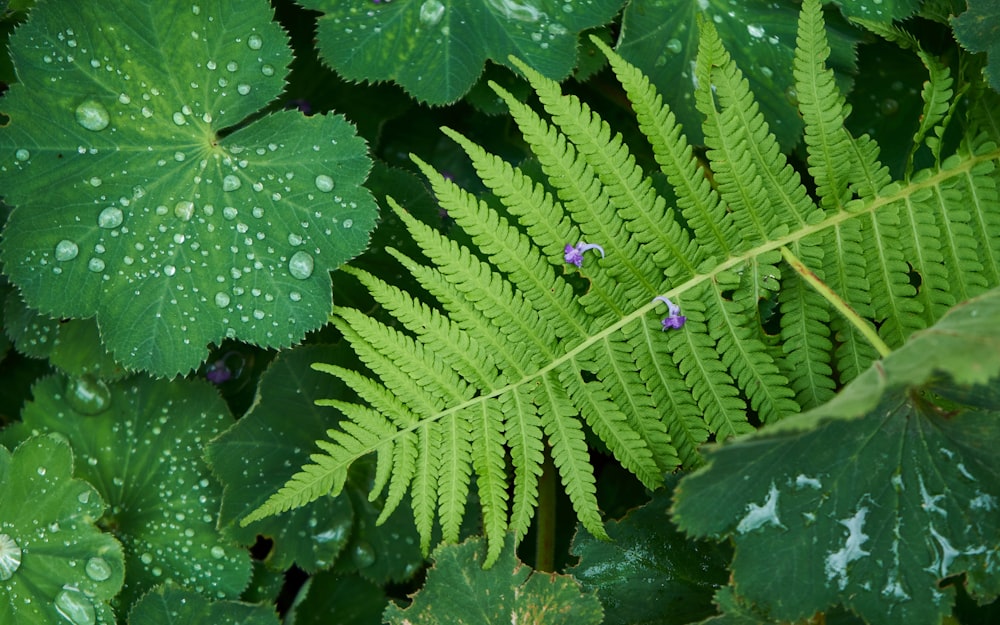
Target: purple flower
x,y
573,254
675,320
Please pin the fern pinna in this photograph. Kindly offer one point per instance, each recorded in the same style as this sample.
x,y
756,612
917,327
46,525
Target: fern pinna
x,y
690,324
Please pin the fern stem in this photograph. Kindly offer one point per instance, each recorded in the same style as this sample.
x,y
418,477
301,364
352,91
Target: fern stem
x,y
838,302
545,532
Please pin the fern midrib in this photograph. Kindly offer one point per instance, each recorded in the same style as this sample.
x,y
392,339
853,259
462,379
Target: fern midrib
x,y
903,192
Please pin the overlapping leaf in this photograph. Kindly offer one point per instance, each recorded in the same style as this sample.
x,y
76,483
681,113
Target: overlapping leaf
x,y
875,510
139,442
54,562
152,199
458,590
978,30
649,573
170,603
436,49
661,38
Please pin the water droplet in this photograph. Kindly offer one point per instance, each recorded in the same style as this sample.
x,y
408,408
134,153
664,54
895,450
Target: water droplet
x,y
97,569
221,299
74,606
10,557
300,265
22,154
179,118
83,497
231,183
675,46
513,10
888,106
267,70
88,395
792,95
169,270
348,223
184,210
363,554
755,30
255,42
110,217
92,115
324,183
229,213
232,66
431,12
295,296
66,250
258,314
294,239
243,88
96,265
767,71
218,552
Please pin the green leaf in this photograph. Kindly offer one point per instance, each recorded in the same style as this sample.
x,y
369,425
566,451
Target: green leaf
x,y
351,599
877,509
139,442
660,37
54,562
436,49
879,10
650,573
74,345
151,197
458,590
169,604
978,30
264,448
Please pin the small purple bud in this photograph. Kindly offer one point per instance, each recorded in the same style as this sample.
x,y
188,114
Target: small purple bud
x,y
675,320
218,372
573,254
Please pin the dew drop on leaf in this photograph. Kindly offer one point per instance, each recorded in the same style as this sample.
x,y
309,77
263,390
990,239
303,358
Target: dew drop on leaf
x,y
267,70
66,250
300,265
363,554
255,42
431,12
96,265
231,183
674,45
243,88
221,299
74,606
184,210
22,154
10,557
218,552
88,395
324,183
92,115
97,569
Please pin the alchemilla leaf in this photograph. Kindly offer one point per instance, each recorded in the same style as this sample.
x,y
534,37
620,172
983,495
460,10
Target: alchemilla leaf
x,y
458,590
151,197
55,564
172,604
877,510
436,49
140,442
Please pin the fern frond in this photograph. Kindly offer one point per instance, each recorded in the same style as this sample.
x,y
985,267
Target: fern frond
x,y
508,353
822,107
712,226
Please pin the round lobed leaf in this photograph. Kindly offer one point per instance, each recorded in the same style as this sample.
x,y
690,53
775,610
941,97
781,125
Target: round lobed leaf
x,y
148,195
140,442
171,604
436,49
55,565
